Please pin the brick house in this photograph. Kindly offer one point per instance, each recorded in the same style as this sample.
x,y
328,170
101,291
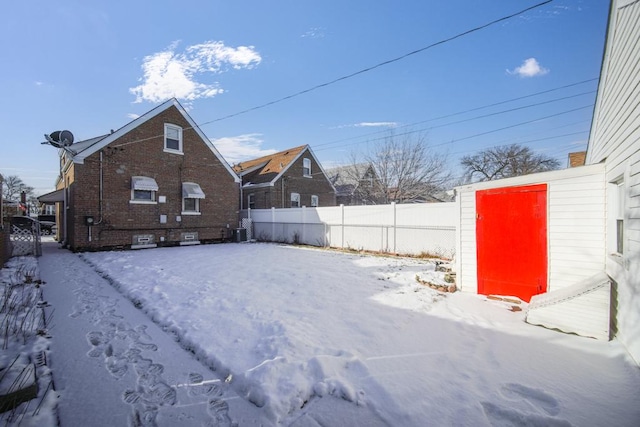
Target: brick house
x,y
156,181
356,184
290,178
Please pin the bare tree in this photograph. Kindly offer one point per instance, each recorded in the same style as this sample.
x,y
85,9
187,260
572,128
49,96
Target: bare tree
x,y
504,162
401,168
12,188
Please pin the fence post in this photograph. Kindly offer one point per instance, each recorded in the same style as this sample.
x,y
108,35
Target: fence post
x,y
273,224
303,213
395,234
342,225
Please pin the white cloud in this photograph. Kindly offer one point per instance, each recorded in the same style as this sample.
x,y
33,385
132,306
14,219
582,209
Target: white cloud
x,y
133,116
376,124
314,33
38,83
239,148
529,68
176,74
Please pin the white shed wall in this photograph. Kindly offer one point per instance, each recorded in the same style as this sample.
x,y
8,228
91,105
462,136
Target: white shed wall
x,y
615,139
575,225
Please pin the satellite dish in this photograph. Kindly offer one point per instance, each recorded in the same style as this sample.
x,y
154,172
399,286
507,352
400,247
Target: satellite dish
x,y
60,138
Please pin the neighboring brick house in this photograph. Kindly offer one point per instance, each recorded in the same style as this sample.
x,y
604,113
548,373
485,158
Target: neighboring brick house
x,y
290,178
577,159
156,181
356,184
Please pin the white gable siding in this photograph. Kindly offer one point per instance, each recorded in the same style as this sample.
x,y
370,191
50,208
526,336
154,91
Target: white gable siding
x,y
615,139
575,225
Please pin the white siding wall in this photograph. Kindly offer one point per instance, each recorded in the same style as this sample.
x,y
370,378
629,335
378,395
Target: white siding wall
x,y
575,225
615,139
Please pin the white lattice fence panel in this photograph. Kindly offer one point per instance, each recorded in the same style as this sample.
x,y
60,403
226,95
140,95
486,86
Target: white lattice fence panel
x,y
23,241
247,223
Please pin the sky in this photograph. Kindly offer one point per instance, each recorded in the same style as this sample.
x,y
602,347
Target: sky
x,y
326,338
90,67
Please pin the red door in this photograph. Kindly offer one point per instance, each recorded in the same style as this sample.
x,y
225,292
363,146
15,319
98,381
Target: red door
x,y
511,238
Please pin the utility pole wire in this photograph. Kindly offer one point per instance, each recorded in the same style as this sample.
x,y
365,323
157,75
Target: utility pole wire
x,y
381,64
348,76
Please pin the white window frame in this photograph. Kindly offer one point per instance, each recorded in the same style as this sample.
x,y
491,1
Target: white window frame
x,y
168,127
135,199
197,191
143,200
295,198
619,216
251,201
315,201
195,211
306,167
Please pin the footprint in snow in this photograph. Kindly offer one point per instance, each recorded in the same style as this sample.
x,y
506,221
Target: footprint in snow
x,y
536,397
524,406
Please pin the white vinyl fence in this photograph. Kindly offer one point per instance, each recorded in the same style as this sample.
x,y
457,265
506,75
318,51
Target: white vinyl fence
x,y
428,228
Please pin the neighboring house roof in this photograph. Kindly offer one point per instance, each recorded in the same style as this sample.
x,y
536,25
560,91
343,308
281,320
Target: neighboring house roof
x,y
83,149
577,159
266,170
344,179
52,197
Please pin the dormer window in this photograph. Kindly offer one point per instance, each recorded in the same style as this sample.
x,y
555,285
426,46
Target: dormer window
x,y
306,167
172,138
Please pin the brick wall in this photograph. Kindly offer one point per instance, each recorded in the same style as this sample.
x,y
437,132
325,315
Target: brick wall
x,y
293,181
120,220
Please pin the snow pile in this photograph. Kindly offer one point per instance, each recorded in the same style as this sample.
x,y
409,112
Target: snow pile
x,y
293,325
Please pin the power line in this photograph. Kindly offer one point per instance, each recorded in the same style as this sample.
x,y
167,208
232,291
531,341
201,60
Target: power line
x,y
362,71
381,64
466,111
481,133
465,120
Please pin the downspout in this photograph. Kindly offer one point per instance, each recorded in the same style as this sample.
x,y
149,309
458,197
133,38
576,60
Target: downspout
x,y
101,191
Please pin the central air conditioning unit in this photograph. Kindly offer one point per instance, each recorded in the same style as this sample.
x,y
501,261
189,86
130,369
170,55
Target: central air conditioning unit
x,y
142,241
189,238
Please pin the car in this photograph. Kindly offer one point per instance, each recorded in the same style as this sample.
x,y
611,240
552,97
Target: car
x,y
47,227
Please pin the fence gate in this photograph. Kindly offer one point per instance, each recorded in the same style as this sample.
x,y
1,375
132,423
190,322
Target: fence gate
x,y
25,240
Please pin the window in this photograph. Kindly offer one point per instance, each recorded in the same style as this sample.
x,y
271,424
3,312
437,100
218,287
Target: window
x,y
172,138
306,167
191,195
295,200
314,201
251,201
143,189
619,207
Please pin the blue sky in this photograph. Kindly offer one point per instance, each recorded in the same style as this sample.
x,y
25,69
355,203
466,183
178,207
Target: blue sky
x,y
93,66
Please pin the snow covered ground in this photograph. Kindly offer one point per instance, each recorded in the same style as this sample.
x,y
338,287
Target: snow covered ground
x,y
308,337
